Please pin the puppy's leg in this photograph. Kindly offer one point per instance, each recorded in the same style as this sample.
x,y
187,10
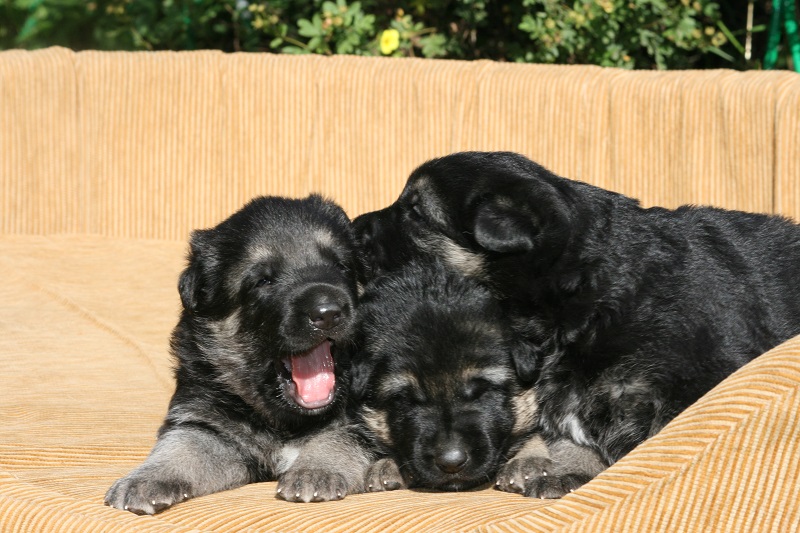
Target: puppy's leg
x,y
329,465
549,472
573,465
384,474
184,463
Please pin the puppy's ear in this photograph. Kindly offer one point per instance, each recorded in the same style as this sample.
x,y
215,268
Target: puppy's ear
x,y
360,376
525,358
502,227
191,284
190,287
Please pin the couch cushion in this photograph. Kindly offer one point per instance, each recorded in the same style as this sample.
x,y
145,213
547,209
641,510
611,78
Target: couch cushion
x,y
85,379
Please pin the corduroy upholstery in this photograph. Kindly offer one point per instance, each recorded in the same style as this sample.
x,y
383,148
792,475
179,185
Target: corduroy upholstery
x,y
108,160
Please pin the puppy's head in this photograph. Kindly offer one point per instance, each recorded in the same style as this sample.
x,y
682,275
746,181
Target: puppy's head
x,y
440,377
269,294
470,209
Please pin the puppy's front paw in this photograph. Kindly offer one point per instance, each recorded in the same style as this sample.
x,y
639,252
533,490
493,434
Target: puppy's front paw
x,y
384,474
519,475
142,495
310,485
537,477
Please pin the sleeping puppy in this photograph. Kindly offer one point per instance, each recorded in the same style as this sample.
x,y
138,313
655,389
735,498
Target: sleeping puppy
x,y
634,313
268,299
446,390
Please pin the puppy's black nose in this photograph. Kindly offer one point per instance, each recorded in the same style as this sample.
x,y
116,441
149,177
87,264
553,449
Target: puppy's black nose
x,y
451,460
326,316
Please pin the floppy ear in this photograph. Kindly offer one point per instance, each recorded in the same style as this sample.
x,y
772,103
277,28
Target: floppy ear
x,y
503,228
191,285
525,357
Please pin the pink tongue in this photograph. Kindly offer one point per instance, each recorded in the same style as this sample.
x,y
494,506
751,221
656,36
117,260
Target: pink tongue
x,y
312,374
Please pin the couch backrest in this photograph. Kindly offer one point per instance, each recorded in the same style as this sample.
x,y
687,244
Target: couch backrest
x,y
156,144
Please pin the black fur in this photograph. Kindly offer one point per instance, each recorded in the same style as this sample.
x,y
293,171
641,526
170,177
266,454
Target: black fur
x,y
445,386
274,281
635,313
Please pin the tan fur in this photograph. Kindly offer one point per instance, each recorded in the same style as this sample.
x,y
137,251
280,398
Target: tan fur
x,y
377,422
498,375
534,447
468,263
525,410
398,382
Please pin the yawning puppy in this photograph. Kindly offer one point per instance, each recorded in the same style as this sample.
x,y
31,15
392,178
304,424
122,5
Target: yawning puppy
x,y
634,313
268,298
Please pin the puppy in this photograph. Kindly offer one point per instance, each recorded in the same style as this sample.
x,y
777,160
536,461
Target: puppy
x,y
446,390
268,298
634,313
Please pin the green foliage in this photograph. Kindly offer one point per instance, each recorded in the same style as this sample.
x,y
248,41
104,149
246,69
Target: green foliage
x,y
337,28
622,33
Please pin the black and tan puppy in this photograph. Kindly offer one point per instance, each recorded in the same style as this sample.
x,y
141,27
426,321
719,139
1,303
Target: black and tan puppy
x,y
446,389
268,298
634,313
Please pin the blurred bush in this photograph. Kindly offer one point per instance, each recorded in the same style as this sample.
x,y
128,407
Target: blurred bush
x,y
622,33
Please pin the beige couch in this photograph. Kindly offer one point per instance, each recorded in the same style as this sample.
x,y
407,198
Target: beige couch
x,y
108,160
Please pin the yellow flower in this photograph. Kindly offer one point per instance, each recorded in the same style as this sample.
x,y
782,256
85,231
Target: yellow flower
x,y
390,41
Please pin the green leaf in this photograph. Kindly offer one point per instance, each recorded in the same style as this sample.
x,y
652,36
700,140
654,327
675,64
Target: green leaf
x,y
722,54
733,40
32,25
307,29
293,50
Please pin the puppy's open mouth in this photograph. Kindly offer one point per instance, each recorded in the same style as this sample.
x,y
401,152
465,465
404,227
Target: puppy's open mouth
x,y
310,377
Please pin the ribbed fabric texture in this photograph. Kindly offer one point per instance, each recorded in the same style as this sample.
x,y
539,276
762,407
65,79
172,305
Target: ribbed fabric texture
x,y
109,160
157,144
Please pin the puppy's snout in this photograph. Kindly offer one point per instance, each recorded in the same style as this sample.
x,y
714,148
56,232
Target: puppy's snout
x,y
451,459
326,316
